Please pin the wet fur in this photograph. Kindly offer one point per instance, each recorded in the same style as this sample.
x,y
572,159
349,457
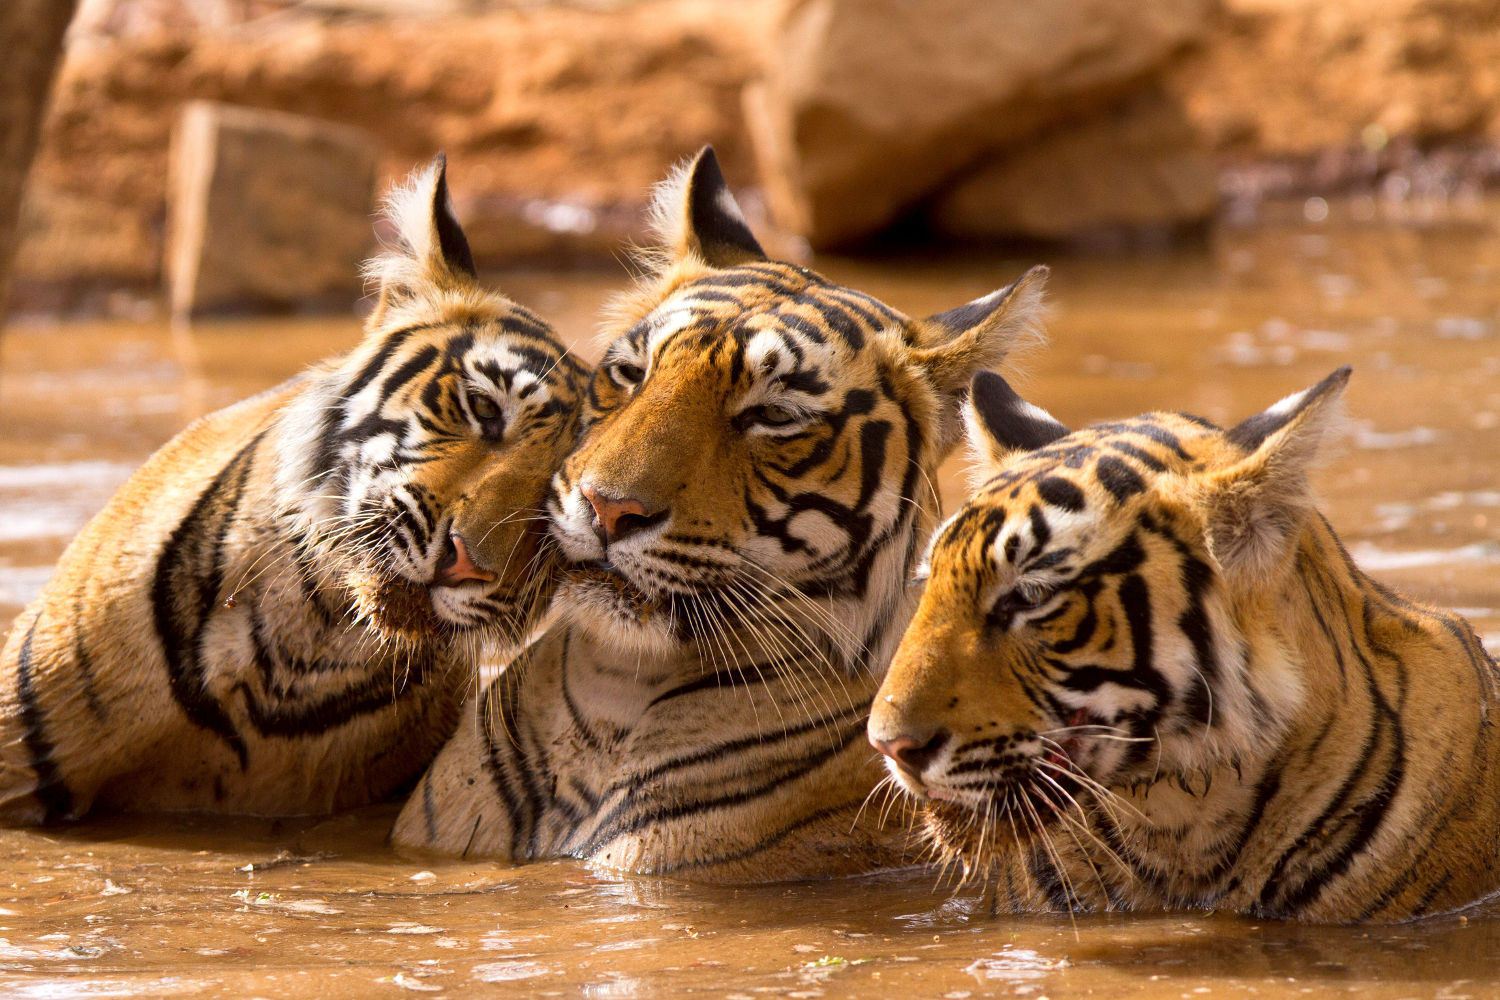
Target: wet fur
x,y
1146,675
699,707
248,625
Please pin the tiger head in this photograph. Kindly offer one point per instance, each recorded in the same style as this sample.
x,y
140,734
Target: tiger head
x,y
415,469
1100,615
758,437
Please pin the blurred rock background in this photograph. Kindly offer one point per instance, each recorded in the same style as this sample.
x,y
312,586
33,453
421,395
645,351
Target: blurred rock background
x,y
848,124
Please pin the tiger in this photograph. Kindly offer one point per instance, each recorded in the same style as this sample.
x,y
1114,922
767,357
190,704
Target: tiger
x,y
738,522
280,612
1144,674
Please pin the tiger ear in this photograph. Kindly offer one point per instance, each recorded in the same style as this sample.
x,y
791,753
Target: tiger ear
x,y
1257,506
430,251
693,214
999,423
952,346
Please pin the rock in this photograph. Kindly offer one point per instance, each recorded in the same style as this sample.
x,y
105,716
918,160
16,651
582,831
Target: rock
x,y
1296,78
1159,176
558,115
536,107
871,104
69,238
266,209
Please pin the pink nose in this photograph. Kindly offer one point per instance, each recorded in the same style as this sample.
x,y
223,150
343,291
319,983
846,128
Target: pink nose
x,y
911,753
456,566
619,517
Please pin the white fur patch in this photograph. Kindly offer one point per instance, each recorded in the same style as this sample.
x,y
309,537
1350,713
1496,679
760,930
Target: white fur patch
x,y
726,204
572,525
666,323
666,217
408,210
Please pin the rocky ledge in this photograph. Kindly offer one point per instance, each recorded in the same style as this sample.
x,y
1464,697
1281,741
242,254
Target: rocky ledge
x,y
969,119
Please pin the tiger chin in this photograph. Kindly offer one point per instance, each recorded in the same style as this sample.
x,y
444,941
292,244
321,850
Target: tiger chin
x,y
738,523
1145,675
281,611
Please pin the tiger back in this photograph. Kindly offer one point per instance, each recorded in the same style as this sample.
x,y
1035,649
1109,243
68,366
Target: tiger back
x,y
1144,674
739,517
280,611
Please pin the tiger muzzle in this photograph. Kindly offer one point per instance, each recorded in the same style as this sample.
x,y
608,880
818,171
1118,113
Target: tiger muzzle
x,y
456,566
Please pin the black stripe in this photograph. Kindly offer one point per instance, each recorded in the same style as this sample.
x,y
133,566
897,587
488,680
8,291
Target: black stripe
x,y
274,716
731,677
1058,492
574,713
51,791
785,770
1147,459
760,846
728,748
1351,818
500,719
85,661
1119,479
185,589
841,319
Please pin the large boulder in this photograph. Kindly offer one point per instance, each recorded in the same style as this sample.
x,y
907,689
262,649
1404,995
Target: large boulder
x,y
868,105
266,209
1138,166
1296,78
556,118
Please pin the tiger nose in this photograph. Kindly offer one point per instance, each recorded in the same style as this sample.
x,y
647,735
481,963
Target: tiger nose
x,y
913,753
456,566
617,518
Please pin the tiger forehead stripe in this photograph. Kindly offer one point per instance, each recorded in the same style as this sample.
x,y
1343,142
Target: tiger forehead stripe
x,y
973,522
799,298
1121,457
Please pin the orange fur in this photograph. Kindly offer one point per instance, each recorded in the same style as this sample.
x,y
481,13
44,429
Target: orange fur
x,y
271,616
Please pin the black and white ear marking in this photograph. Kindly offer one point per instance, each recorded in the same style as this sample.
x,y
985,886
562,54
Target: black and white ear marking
x,y
1251,433
693,214
1008,421
950,347
714,217
451,240
959,320
1026,291
1256,507
429,254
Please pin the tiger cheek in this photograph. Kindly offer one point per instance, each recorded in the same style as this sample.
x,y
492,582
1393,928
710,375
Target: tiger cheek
x,y
604,396
929,686
494,517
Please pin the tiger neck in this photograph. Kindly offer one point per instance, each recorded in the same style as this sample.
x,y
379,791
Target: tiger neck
x,y
297,608
1343,634
1284,641
627,682
1350,657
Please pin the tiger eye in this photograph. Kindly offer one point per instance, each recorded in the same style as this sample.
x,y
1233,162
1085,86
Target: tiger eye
x,y
774,416
484,407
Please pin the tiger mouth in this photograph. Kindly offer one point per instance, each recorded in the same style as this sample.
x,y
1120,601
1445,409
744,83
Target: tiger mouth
x,y
398,608
404,610
627,598
976,823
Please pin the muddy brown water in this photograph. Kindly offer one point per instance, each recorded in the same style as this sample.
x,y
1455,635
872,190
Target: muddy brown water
x,y
148,907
